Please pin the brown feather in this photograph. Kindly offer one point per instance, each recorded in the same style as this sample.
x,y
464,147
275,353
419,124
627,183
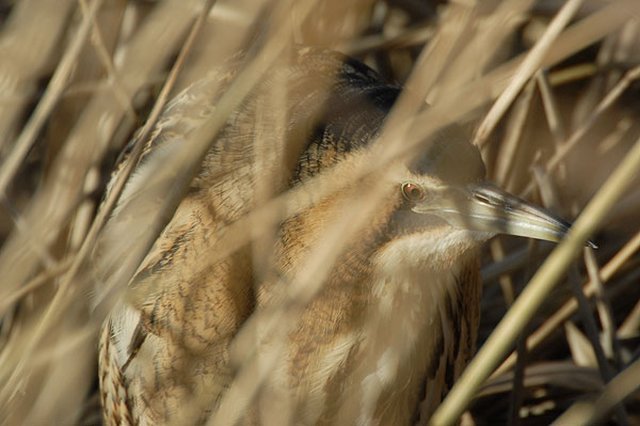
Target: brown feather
x,y
363,347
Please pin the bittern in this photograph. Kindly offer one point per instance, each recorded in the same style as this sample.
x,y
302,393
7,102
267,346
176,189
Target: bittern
x,y
395,320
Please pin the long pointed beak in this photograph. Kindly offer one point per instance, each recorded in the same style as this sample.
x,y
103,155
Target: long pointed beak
x,y
486,208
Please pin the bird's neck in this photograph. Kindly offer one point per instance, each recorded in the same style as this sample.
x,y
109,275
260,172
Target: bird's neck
x,y
376,329
413,287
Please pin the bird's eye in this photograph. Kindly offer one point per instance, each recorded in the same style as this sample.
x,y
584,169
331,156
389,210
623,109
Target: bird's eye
x,y
482,198
412,192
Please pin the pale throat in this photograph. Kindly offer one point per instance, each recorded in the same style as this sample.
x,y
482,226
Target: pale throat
x,y
412,275
420,269
428,252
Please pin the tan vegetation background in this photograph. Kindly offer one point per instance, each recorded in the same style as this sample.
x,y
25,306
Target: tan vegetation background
x,y
551,87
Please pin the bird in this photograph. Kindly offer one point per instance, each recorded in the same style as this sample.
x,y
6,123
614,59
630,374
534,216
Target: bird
x,y
394,321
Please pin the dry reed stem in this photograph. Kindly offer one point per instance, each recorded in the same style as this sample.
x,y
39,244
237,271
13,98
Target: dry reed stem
x,y
425,124
582,352
593,337
497,346
614,393
631,323
61,191
56,321
276,324
515,128
551,109
441,74
526,70
29,39
51,96
120,179
578,135
508,291
483,43
569,308
561,373
176,173
605,312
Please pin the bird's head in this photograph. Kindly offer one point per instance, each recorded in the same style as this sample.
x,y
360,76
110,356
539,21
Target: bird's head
x,y
440,191
447,184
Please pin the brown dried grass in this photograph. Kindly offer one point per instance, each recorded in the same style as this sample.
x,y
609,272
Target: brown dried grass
x,y
553,94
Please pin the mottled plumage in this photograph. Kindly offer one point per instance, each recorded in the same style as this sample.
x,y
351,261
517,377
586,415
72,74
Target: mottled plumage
x,y
395,321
